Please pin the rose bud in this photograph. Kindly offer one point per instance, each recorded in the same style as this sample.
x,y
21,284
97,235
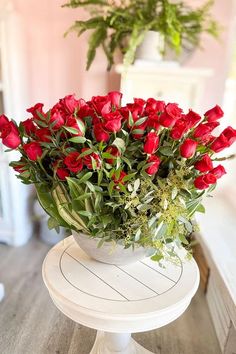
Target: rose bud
x,y
87,159
56,119
115,98
204,165
9,133
219,143
200,183
192,118
73,162
151,143
112,150
218,171
100,134
33,150
62,173
29,126
204,181
214,114
112,122
230,135
203,130
188,148
120,179
36,110
155,160
43,135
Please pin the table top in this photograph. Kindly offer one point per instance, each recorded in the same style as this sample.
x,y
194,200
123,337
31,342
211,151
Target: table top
x,y
137,291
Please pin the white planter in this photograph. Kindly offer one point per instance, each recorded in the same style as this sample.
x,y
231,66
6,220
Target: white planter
x,y
151,48
117,255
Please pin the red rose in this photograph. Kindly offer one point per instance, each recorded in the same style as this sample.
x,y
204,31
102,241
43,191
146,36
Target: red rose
x,y
151,143
101,104
120,178
179,129
153,121
87,159
100,134
188,148
171,115
115,98
226,139
230,135
218,171
210,178
56,119
204,181
62,173
3,120
36,110
200,183
9,133
139,103
214,114
204,165
155,160
29,126
204,129
43,134
154,106
33,150
112,150
84,109
192,118
70,103
112,121
73,162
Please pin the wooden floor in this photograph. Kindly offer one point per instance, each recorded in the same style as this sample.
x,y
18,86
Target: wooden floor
x,y
31,324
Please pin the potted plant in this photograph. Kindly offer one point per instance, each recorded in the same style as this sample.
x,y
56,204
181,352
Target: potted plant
x,y
127,178
126,24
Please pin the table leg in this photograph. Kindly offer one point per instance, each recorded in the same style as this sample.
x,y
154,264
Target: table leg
x,y
117,343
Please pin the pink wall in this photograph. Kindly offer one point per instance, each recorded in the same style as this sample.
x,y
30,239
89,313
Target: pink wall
x,y
56,65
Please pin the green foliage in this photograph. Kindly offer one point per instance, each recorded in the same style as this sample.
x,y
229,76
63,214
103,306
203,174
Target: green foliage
x,y
122,26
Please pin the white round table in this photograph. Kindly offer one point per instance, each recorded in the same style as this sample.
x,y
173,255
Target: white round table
x,y
117,300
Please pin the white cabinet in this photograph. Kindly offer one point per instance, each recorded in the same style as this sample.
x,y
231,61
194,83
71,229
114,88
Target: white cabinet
x,y
169,83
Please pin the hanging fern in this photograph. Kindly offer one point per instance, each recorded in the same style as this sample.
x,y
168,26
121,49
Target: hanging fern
x,y
123,26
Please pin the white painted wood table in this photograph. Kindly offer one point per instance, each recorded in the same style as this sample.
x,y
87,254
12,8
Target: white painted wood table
x,y
117,300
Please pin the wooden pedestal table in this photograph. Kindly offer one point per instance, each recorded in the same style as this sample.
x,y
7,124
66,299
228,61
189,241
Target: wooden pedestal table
x,y
117,300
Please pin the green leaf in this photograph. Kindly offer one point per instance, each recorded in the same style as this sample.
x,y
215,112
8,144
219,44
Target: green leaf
x,y
166,151
137,235
90,186
95,40
52,223
85,177
71,130
111,187
201,209
120,144
85,153
140,121
157,257
78,139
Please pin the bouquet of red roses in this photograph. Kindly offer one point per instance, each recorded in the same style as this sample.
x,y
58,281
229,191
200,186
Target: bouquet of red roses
x,y
135,173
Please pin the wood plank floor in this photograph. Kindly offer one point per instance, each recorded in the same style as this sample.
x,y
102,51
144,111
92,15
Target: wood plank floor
x,y
31,324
